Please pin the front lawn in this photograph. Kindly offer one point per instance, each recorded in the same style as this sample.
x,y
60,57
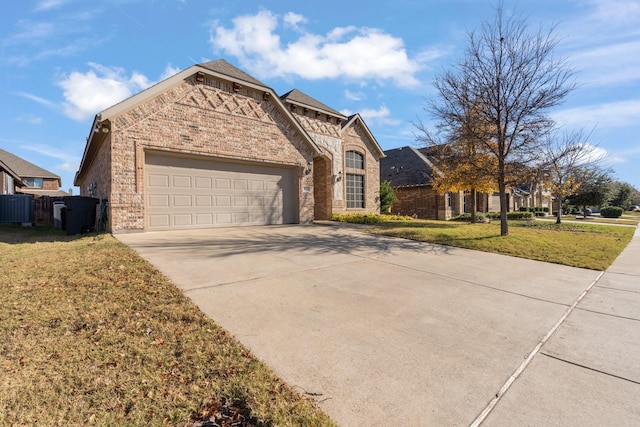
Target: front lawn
x,y
578,245
91,334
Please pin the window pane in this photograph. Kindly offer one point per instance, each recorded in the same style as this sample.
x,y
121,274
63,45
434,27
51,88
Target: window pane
x,y
33,182
355,191
354,160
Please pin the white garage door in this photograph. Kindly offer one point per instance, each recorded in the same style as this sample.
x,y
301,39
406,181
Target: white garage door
x,y
197,193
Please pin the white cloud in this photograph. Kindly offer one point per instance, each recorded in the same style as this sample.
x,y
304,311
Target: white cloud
x,y
354,96
169,71
610,64
294,20
380,116
69,163
30,119
613,114
86,94
49,4
37,99
346,52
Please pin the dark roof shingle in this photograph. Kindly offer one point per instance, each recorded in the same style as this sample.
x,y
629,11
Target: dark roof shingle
x,y
406,167
298,97
24,168
223,67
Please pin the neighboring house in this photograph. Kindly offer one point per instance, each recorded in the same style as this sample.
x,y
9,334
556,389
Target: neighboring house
x,y
9,180
212,146
21,176
410,171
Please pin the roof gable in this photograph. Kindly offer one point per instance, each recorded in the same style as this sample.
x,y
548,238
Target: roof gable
x,y
221,66
23,168
352,120
298,97
406,167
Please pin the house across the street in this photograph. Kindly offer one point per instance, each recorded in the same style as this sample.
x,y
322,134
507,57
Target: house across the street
x,y
212,146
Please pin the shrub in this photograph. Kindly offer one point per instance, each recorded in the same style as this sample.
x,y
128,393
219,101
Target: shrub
x,y
467,217
519,215
389,217
357,218
387,196
611,212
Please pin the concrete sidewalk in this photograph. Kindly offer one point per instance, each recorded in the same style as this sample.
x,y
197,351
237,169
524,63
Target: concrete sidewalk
x,y
385,331
588,373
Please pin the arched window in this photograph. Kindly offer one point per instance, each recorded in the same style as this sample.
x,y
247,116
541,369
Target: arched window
x,y
354,160
354,163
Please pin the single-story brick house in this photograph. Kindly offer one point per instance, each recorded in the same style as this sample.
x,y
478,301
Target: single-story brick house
x,y
410,172
20,176
212,146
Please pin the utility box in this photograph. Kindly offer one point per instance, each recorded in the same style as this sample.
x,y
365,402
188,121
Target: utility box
x,y
57,214
80,214
17,208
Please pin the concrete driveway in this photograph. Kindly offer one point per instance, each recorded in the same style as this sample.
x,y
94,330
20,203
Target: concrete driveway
x,y
384,331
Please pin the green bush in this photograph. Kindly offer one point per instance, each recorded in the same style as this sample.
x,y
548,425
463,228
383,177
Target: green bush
x,y
387,196
390,217
611,212
519,215
533,209
493,215
357,218
467,217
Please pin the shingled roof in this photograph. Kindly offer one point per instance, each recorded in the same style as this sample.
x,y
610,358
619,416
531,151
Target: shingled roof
x,y
23,168
406,167
300,98
221,66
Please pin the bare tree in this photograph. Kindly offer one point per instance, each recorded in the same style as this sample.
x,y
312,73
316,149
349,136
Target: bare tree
x,y
512,78
567,163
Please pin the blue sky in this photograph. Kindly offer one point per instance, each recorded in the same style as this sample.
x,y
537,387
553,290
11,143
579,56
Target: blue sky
x,y
63,61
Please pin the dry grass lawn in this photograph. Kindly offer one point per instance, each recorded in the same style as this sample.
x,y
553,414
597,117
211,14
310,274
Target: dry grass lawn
x,y
91,334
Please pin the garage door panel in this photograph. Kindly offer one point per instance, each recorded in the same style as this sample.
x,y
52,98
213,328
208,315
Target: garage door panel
x,y
241,201
158,200
159,221
204,219
190,192
182,220
204,201
181,201
181,181
203,182
222,184
223,201
158,181
240,184
223,219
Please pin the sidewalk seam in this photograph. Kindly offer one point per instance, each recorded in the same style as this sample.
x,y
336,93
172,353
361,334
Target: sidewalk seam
x,y
591,369
487,410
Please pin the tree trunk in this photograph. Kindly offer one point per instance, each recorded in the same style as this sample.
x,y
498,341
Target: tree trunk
x,y
559,213
502,188
473,206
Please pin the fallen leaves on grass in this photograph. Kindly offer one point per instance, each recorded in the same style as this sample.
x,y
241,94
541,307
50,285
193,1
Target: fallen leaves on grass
x,y
92,334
